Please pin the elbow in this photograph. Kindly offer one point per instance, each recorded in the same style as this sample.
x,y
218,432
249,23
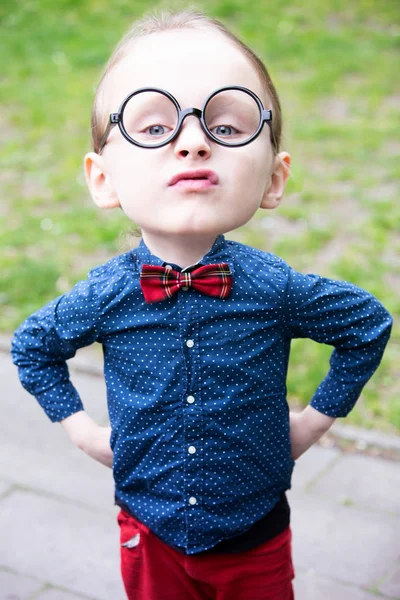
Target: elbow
x,y
387,324
15,350
383,333
383,321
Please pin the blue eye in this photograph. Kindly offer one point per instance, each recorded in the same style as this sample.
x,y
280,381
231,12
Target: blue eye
x,y
225,130
157,130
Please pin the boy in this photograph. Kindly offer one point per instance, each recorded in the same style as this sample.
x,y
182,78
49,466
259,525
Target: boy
x,y
196,329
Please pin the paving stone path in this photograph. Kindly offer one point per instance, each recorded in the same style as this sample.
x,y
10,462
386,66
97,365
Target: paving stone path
x,y
59,534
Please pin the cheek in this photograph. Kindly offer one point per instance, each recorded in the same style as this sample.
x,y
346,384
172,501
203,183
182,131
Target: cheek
x,y
130,174
251,174
254,162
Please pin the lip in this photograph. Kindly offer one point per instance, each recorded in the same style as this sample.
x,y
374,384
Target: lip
x,y
205,176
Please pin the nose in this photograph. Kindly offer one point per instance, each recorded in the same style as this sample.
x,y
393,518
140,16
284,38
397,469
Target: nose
x,y
192,140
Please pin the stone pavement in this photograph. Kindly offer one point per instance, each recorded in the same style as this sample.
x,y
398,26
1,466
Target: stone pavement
x,y
58,529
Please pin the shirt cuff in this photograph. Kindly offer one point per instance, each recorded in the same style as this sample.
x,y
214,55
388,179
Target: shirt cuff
x,y
60,401
334,398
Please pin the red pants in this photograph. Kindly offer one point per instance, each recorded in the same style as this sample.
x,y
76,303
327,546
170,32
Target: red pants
x,y
151,570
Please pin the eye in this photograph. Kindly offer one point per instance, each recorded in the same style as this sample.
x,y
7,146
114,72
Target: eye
x,y
156,130
225,130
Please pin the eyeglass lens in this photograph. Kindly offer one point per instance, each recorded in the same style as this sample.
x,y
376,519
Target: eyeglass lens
x,y
151,118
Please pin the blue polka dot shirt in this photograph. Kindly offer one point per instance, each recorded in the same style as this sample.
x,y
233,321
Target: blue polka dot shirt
x,y
196,385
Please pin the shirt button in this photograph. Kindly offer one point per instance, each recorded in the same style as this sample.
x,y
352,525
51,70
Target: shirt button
x,y
192,450
190,399
192,500
190,343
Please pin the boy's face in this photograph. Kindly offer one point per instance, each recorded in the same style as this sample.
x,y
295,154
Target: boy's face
x,y
190,64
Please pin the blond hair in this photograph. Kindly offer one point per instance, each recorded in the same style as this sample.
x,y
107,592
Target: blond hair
x,y
166,20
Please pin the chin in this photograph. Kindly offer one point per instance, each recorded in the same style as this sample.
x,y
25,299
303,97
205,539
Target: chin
x,y
201,228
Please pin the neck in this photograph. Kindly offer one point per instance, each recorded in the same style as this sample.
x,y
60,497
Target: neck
x,y
179,250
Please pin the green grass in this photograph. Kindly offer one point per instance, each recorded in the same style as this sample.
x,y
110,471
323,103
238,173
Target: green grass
x,y
334,64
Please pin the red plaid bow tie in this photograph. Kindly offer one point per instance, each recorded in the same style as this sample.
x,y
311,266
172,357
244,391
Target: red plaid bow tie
x,y
159,282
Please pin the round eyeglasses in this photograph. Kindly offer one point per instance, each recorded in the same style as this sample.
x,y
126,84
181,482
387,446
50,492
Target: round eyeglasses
x,y
151,117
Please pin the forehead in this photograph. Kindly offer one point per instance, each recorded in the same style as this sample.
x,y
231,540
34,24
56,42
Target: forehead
x,y
189,63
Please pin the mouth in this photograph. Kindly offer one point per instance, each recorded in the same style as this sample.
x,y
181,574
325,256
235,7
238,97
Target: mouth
x,y
195,180
193,184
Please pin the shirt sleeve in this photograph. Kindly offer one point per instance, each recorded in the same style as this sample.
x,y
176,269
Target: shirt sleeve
x,y
46,339
350,319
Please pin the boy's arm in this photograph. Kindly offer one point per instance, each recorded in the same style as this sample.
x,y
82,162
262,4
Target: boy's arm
x,y
89,437
306,428
40,348
356,324
45,340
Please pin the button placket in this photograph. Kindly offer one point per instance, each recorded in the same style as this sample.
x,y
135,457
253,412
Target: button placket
x,y
192,414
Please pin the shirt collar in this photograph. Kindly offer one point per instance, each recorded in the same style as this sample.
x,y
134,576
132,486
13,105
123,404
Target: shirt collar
x,y
219,252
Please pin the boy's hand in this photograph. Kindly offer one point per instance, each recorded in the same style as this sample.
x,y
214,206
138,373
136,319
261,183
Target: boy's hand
x,y
306,428
90,437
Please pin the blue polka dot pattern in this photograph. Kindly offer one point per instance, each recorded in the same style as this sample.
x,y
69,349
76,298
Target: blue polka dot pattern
x,y
196,385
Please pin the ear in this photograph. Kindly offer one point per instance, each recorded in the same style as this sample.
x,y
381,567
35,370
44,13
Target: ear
x,y
276,186
99,182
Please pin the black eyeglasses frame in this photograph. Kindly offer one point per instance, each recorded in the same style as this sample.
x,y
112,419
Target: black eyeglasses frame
x,y
117,118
